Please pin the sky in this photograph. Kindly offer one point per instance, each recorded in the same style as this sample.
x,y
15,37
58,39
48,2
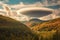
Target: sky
x,y
17,4
18,1
55,4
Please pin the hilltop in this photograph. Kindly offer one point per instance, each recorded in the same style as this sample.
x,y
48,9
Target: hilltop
x,y
11,29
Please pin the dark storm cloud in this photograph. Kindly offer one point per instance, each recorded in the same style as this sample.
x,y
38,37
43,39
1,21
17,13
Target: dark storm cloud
x,y
36,13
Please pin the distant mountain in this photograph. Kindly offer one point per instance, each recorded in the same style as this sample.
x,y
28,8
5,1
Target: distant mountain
x,y
11,29
33,22
36,20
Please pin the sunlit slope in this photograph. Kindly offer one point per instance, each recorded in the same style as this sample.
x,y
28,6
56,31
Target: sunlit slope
x,y
49,30
48,26
11,29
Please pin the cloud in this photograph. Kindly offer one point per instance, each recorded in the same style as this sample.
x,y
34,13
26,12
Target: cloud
x,y
22,5
4,1
55,14
1,3
51,2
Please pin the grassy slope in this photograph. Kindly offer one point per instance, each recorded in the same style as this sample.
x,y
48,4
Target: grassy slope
x,y
52,24
11,29
48,30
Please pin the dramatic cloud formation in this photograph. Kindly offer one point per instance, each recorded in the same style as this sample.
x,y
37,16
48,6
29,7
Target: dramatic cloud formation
x,y
46,3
